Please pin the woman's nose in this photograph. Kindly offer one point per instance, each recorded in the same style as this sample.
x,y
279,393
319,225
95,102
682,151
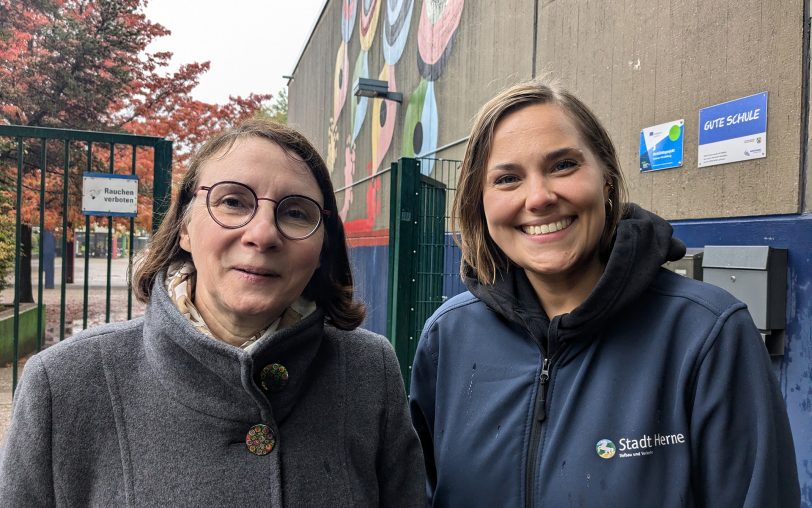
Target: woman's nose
x,y
540,193
262,231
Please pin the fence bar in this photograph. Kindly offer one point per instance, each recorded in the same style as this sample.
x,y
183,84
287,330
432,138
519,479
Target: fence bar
x,y
64,240
17,277
87,242
26,131
109,243
130,249
162,183
403,233
43,169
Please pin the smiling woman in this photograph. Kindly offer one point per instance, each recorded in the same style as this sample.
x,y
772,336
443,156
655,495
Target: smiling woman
x,y
250,271
572,338
248,368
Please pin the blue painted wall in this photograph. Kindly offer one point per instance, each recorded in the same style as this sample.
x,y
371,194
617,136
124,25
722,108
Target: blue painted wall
x,y
370,271
371,276
794,369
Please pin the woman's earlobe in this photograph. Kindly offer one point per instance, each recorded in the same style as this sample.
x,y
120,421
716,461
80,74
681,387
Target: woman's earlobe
x,y
184,241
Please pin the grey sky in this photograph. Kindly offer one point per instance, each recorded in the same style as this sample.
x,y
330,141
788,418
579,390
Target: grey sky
x,y
251,43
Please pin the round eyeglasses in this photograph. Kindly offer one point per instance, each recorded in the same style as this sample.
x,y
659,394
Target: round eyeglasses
x,y
232,205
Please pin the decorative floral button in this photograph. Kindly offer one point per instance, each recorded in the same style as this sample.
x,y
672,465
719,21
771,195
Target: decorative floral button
x,y
260,440
274,377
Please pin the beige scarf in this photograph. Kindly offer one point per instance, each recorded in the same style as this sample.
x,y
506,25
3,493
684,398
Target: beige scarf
x,y
180,284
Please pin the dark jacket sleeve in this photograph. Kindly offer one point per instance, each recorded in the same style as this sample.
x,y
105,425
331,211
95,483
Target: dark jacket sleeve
x,y
400,468
422,398
25,461
742,448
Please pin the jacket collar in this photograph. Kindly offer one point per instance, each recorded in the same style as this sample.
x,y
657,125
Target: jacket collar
x,y
643,242
220,380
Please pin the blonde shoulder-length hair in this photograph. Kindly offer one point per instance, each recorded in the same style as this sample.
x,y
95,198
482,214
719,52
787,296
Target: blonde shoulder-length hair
x,y
479,251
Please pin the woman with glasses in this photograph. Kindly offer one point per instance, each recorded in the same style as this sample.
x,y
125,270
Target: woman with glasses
x,y
247,382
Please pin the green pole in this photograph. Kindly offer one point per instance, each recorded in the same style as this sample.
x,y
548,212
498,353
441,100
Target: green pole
x,y
109,243
18,231
403,279
65,253
130,249
43,169
87,242
162,182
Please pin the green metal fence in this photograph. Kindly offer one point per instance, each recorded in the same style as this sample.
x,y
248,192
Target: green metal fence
x,y
77,150
423,259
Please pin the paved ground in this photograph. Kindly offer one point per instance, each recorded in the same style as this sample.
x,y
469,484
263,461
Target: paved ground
x,y
74,305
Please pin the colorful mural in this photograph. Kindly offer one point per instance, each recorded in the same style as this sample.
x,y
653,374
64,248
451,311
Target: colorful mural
x,y
359,104
439,20
370,9
421,124
348,10
394,33
438,23
384,114
341,80
396,29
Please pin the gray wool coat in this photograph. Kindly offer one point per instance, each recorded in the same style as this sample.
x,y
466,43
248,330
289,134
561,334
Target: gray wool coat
x,y
152,413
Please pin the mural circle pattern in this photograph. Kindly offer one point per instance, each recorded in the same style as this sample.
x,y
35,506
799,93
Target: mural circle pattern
x,y
369,22
439,20
341,80
396,29
384,114
420,126
359,105
348,10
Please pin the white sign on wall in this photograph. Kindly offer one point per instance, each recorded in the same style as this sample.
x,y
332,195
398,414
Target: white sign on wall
x,y
107,194
733,131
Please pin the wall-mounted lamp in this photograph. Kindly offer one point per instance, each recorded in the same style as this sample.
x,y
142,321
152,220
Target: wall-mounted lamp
x,y
375,89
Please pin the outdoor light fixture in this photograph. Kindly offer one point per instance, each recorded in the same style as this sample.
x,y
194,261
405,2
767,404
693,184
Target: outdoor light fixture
x,y
375,89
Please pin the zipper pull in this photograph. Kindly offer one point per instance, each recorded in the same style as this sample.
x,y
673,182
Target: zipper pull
x,y
542,396
545,372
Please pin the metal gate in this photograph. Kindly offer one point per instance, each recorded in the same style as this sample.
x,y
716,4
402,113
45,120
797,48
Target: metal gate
x,y
423,258
77,149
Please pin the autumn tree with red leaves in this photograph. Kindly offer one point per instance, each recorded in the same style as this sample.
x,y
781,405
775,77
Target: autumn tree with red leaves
x,y
84,64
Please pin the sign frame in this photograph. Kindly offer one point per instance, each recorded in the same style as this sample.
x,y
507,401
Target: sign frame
x,y
668,149
92,185
733,131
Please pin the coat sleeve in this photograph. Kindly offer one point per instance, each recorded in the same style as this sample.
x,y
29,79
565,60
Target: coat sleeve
x,y
741,445
421,405
26,477
400,468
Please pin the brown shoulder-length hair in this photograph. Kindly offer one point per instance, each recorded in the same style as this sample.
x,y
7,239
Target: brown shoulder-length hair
x,y
479,251
331,286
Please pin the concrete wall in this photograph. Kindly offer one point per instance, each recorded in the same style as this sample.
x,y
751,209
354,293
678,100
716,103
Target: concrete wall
x,y
640,63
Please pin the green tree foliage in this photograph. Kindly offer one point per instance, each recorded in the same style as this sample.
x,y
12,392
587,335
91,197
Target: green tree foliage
x,y
7,243
278,111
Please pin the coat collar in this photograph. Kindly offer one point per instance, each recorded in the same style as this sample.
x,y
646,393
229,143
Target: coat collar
x,y
220,380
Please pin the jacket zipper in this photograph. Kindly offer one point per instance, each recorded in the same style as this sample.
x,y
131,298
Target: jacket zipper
x,y
539,415
540,411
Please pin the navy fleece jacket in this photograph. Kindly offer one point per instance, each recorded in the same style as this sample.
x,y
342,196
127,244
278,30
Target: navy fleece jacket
x,y
656,391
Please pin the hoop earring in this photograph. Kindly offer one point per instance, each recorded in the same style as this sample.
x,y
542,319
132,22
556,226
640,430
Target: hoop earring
x,y
609,202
